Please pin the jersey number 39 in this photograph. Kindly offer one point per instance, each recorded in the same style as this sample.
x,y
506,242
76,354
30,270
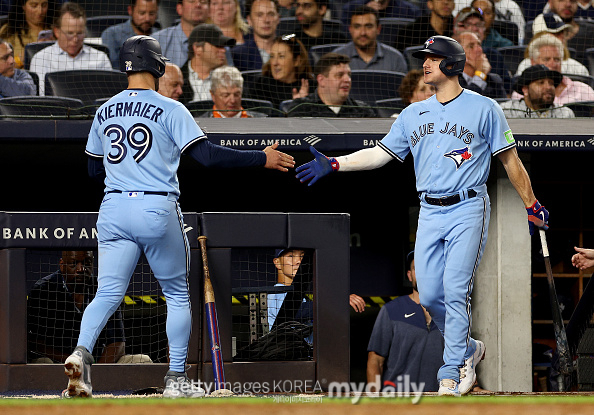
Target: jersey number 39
x,y
139,138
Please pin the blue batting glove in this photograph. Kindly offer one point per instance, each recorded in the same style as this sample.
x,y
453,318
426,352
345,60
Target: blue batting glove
x,y
538,217
317,168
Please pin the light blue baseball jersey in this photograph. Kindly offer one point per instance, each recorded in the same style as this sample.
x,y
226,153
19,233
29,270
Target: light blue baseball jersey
x,y
140,135
452,144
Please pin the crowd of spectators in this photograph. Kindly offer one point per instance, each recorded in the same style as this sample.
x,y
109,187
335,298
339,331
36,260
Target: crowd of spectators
x,y
275,46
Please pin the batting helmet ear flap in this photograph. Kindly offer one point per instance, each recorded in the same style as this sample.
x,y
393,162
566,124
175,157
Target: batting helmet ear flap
x,y
450,68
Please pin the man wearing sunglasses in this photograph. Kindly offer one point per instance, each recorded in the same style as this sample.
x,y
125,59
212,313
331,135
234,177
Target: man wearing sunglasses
x,y
69,52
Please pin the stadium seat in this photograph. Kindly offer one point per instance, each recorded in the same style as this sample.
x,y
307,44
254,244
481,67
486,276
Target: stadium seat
x,y
372,85
582,109
590,60
413,63
316,52
284,106
249,77
512,56
390,27
387,107
507,29
30,106
97,24
87,85
35,80
34,47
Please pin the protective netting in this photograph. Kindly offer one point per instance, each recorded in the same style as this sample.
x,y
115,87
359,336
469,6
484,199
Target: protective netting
x,y
60,285
272,304
325,58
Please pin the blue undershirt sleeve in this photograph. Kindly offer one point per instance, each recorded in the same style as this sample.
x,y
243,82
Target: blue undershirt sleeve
x,y
213,155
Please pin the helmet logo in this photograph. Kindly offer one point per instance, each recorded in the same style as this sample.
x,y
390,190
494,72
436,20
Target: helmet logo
x,y
128,65
429,42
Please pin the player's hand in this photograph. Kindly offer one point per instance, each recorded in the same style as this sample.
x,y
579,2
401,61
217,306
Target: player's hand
x,y
357,303
583,259
317,168
538,217
278,160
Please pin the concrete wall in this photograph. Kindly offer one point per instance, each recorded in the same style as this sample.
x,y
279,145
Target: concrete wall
x,y
501,302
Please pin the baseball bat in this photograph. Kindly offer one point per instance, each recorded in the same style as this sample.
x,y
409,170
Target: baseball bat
x,y
565,360
212,322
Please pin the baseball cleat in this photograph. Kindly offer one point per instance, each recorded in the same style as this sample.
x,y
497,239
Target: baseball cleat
x,y
468,371
178,385
78,369
448,387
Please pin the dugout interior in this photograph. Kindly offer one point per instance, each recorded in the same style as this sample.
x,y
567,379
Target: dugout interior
x,y
237,242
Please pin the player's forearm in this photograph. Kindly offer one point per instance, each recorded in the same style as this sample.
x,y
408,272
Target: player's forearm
x,y
375,368
212,155
366,159
518,176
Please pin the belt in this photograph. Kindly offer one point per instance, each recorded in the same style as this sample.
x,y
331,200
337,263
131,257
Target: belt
x,y
137,191
449,200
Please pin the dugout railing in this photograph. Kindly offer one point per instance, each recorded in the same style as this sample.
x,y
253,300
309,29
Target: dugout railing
x,y
326,235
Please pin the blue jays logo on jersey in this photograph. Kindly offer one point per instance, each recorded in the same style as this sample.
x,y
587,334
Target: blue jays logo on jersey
x,y
459,156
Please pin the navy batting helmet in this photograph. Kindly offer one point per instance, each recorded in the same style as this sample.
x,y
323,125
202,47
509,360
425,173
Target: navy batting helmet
x,y
142,54
447,47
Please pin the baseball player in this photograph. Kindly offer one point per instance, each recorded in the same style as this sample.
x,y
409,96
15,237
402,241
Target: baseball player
x,y
135,143
452,136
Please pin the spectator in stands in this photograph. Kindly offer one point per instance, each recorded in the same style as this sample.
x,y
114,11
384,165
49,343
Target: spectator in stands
x,y
226,14
69,52
263,17
471,19
27,19
287,75
492,38
226,89
579,36
477,75
548,50
414,89
313,30
286,8
385,8
206,52
550,45
537,85
364,50
13,81
438,22
585,10
505,10
55,307
172,82
143,16
174,39
331,97
405,341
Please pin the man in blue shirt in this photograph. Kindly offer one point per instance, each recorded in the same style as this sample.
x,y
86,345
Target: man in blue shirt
x,y
143,16
13,81
174,39
405,341
364,50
